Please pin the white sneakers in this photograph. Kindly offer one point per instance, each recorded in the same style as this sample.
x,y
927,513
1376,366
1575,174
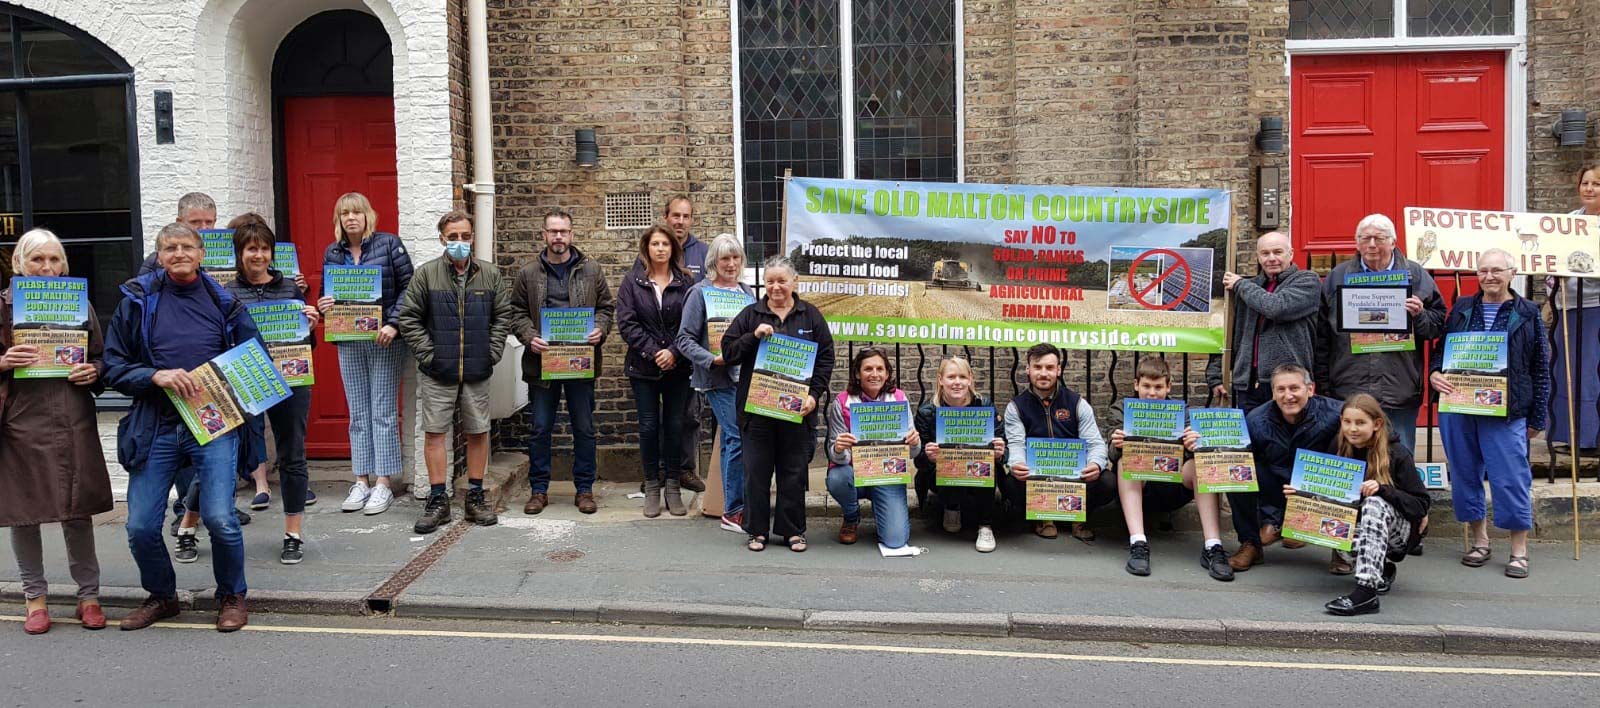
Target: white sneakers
x,y
368,500
952,520
379,501
985,539
357,500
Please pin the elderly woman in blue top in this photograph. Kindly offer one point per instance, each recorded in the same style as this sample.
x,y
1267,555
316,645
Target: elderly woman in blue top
x,y
714,376
1480,446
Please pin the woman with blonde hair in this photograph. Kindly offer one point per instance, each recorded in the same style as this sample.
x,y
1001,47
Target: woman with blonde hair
x,y
1393,502
54,469
371,370
957,389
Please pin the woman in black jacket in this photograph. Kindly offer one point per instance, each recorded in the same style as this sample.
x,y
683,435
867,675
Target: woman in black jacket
x,y
772,447
956,390
255,283
649,310
1393,502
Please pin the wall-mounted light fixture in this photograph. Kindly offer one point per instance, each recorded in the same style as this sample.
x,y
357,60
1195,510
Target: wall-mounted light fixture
x,y
1269,138
1573,128
588,148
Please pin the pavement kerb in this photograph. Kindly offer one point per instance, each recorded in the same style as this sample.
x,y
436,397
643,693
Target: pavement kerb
x,y
1351,635
1489,640
1357,636
701,615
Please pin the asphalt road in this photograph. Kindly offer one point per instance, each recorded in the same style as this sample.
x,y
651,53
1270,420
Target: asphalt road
x,y
310,661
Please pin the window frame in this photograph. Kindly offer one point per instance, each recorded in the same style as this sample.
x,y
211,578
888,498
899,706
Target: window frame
x,y
847,101
22,86
1402,39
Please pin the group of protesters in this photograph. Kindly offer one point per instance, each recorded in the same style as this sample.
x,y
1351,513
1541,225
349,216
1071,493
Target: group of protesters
x,y
1303,383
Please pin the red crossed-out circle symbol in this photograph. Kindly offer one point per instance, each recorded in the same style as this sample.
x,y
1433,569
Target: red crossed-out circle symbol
x,y
1179,263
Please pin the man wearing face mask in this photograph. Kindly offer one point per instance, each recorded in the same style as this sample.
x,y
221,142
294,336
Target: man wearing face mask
x,y
455,316
1274,322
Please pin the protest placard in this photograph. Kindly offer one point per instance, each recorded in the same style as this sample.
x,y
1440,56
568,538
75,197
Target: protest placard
x,y
53,315
357,311
569,354
781,378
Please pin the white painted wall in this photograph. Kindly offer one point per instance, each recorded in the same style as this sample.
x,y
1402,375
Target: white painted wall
x,y
216,58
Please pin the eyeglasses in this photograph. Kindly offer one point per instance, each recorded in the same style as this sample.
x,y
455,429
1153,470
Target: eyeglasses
x,y
558,231
1372,239
1496,272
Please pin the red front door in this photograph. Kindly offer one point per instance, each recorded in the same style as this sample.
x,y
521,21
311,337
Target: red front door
x,y
1376,133
333,145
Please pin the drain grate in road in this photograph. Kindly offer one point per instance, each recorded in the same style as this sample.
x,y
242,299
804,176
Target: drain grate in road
x,y
382,599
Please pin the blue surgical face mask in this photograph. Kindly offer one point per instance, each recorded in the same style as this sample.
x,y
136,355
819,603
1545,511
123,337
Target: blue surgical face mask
x,y
458,250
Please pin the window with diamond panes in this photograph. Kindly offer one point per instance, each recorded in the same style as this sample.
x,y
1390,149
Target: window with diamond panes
x,y
905,89
790,104
1340,19
1459,18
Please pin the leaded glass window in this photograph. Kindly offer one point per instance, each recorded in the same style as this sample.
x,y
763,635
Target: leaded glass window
x,y
1340,19
790,99
1459,18
905,90
793,103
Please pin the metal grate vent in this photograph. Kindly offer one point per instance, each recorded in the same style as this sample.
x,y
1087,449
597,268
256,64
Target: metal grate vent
x,y
629,210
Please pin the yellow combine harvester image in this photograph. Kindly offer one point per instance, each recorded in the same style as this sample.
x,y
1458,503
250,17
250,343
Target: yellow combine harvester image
x,y
952,275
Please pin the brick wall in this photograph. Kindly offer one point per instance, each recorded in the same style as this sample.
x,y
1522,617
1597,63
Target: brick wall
x,y
1118,92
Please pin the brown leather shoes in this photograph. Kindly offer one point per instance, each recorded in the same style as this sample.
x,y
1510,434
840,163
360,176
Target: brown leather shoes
x,y
1339,566
1082,532
91,616
1045,529
1270,534
233,614
691,481
536,503
152,611
1248,555
849,533
585,502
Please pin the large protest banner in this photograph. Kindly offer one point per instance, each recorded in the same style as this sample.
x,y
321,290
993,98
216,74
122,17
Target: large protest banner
x,y
1010,266
1543,244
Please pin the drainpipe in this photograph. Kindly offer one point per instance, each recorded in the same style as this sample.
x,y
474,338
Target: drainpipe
x,y
482,185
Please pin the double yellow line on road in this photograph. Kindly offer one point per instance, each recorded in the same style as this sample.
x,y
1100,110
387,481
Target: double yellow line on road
x,y
882,649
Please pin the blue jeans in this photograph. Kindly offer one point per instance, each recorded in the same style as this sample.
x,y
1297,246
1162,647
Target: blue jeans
x,y
214,465
889,508
724,402
543,401
1404,421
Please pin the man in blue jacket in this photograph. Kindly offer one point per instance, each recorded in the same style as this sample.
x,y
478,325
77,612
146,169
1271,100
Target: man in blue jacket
x,y
1296,418
680,218
170,322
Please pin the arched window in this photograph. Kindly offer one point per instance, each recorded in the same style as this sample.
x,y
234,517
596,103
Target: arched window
x,y
68,152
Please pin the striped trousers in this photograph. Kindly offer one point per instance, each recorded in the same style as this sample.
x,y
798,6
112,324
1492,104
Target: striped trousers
x,y
372,391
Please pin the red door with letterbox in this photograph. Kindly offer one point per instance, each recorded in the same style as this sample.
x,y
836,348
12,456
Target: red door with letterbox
x,y
333,145
1376,133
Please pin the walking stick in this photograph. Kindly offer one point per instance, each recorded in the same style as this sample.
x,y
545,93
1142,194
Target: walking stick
x,y
1466,531
1572,421
1227,315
